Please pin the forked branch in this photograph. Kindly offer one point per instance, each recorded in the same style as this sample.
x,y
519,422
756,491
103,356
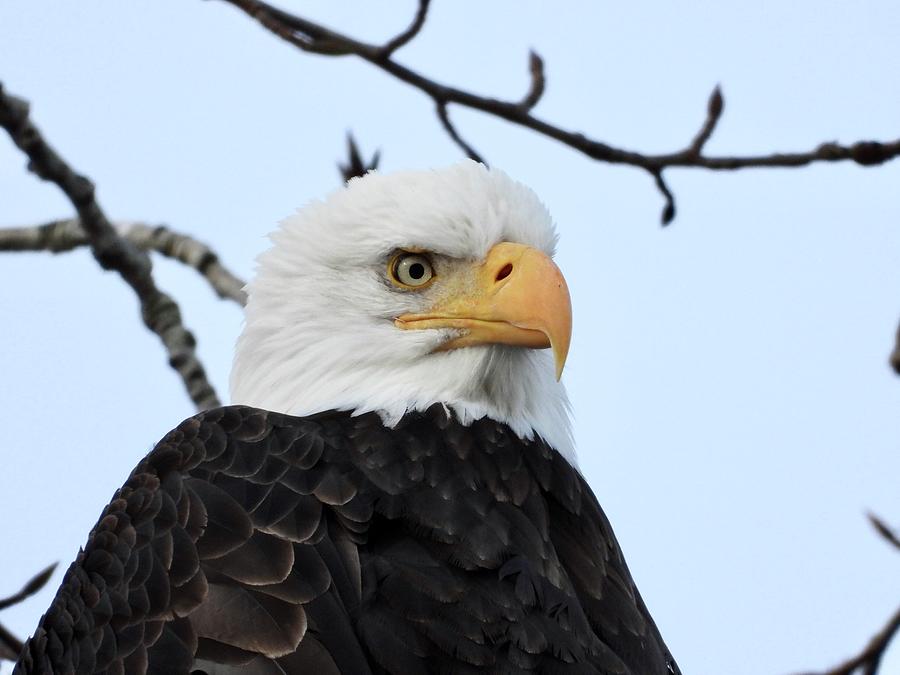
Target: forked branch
x,y
313,37
59,236
114,252
868,661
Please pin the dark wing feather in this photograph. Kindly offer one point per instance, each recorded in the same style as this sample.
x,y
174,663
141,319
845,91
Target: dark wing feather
x,y
206,558
252,542
589,552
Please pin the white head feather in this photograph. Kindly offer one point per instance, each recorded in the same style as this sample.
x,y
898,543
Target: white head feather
x,y
320,331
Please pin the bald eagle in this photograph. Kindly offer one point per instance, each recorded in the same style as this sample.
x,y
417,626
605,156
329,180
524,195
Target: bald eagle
x,y
396,493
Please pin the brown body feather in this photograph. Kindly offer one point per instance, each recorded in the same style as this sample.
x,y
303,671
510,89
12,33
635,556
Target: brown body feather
x,y
254,542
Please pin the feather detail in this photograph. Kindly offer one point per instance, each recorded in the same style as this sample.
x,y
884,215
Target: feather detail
x,y
254,542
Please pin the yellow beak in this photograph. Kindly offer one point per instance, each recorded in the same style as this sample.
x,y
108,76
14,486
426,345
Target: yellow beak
x,y
518,297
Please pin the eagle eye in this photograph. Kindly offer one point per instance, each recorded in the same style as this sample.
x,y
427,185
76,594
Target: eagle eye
x,y
411,270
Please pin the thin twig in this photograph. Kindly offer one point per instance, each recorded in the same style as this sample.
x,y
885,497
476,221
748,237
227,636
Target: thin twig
x,y
714,108
895,355
32,586
59,236
668,212
407,36
356,166
869,659
454,134
159,311
10,645
538,81
313,37
886,532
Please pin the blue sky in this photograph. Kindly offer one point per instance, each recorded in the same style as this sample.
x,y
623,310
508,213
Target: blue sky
x,y
734,411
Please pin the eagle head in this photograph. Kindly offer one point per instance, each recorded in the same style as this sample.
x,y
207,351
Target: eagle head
x,y
404,290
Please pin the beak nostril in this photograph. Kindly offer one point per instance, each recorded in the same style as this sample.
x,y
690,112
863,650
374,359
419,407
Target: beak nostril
x,y
504,272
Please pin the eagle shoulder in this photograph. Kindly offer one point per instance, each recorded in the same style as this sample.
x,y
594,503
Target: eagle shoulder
x,y
218,549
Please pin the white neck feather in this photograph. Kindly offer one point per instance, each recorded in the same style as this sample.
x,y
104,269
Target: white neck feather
x,y
348,372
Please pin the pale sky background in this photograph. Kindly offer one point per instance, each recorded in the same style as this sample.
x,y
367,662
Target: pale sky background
x,y
734,410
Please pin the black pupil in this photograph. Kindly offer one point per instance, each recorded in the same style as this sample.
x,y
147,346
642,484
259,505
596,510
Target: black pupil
x,y
417,270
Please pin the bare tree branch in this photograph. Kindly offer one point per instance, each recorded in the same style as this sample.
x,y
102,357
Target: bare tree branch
x,y
538,81
714,108
31,587
355,165
407,36
887,533
869,659
471,153
10,645
895,355
159,311
312,37
668,212
59,236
